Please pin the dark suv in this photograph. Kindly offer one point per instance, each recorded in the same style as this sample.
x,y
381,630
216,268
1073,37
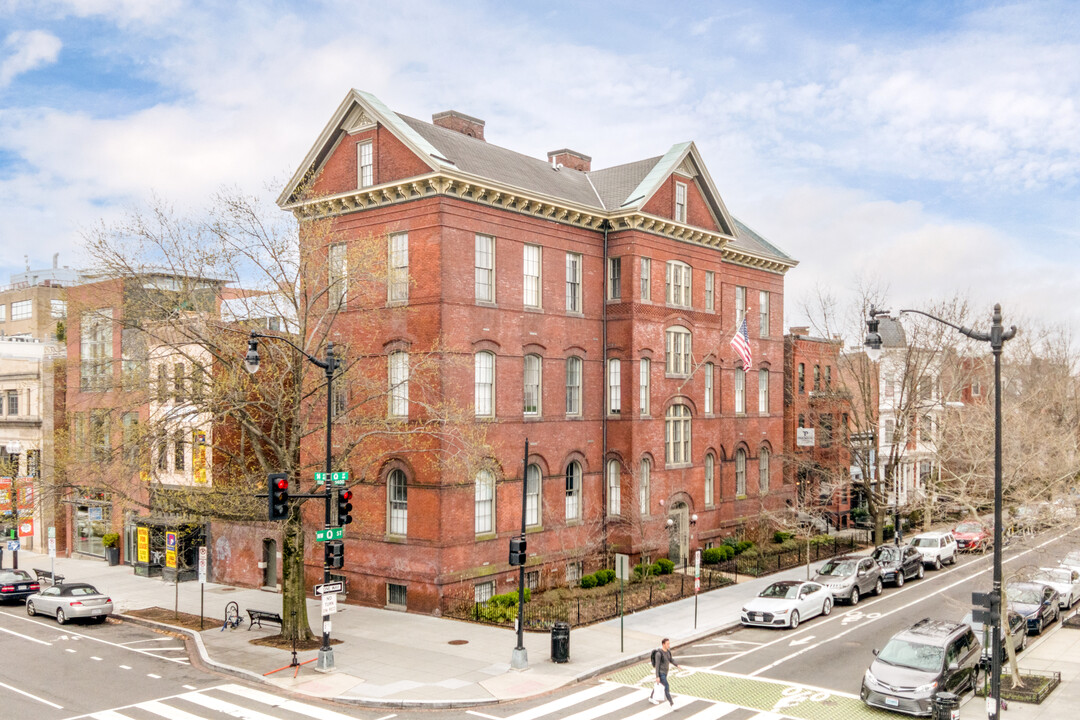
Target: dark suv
x,y
929,657
898,563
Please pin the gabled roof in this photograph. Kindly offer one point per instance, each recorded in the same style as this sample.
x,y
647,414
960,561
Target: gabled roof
x,y
749,241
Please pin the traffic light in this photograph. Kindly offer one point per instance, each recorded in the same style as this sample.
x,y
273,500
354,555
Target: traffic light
x,y
517,551
278,495
344,507
334,554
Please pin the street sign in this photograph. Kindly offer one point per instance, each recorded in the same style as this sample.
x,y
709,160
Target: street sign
x,y
52,547
52,532
329,604
330,588
337,478
13,546
622,567
202,564
329,534
170,549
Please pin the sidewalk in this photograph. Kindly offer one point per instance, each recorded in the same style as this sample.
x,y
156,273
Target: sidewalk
x,y
403,659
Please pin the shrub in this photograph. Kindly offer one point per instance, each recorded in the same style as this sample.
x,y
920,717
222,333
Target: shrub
x,y
730,541
728,552
588,581
665,565
712,556
609,575
110,540
742,546
509,599
780,536
655,568
821,540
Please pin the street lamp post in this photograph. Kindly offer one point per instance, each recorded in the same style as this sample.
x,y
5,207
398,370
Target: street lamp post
x,y
329,365
997,337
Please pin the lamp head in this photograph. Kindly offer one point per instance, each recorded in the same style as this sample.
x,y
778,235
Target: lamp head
x,y
251,360
873,337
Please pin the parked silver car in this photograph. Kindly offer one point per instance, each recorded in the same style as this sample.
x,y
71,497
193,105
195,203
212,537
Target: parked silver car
x,y
70,601
849,577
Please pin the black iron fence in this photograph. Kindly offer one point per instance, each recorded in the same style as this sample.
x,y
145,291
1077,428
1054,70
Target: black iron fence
x,y
762,560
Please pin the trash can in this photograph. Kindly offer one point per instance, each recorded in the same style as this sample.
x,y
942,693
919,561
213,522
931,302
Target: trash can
x,y
946,706
560,642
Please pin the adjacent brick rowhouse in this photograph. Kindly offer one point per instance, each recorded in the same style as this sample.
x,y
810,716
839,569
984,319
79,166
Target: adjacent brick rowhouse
x,y
443,186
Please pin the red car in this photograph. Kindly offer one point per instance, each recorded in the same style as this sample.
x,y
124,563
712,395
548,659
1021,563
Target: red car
x,y
973,537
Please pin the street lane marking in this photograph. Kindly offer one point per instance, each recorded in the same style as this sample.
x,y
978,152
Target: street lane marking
x,y
32,697
228,708
107,715
609,707
125,667
167,712
156,677
556,705
24,637
70,650
387,717
74,635
95,657
189,687
311,711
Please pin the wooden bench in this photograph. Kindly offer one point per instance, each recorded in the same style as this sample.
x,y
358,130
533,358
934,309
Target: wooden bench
x,y
258,617
53,578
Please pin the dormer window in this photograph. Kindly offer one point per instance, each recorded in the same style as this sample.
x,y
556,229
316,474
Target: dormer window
x,y
680,202
365,167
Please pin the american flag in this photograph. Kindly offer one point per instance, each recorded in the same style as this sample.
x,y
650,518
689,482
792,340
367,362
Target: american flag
x,y
741,343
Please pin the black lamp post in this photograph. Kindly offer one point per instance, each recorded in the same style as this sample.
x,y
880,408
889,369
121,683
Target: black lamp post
x,y
873,350
997,337
329,365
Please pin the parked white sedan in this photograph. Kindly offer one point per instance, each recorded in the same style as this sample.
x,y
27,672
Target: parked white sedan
x,y
70,601
1066,580
787,603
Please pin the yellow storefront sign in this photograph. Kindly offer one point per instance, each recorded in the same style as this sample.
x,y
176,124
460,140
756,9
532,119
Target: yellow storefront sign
x,y
144,545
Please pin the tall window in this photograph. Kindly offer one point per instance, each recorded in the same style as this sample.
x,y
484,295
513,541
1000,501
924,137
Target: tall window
x,y
100,437
399,384
643,486
763,392
802,377
646,278
337,276
532,385
710,472
398,497
95,349
179,451
677,435
573,282
643,386
828,377
740,390
677,347
58,309
680,202
485,502
763,470
179,383
399,268
740,303
826,427
485,268
339,403
365,166
573,386
12,402
22,310
532,495
163,453
614,386
484,384
740,472
531,296
130,425
889,433
710,302
817,378
678,284
614,278
614,488
763,312
573,491
708,388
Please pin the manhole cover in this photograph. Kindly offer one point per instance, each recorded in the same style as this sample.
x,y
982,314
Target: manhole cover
x,y
458,642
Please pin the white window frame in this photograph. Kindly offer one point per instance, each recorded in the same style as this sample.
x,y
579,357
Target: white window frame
x,y
484,384
740,304
532,385
3,312
708,371
678,284
614,278
678,351
680,202
365,165
710,296
763,392
677,434
483,591
533,496
484,503
484,267
573,385
740,391
573,491
740,472
646,278
710,479
614,386
337,277
532,262
398,376
763,470
614,489
397,503
57,308
763,313
573,283
644,481
645,368
397,290
22,310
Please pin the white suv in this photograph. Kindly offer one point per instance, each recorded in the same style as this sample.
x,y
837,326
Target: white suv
x,y
936,548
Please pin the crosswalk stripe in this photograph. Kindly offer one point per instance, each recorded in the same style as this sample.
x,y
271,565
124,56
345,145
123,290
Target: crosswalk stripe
x,y
714,711
236,711
564,702
299,708
166,711
609,707
108,715
657,711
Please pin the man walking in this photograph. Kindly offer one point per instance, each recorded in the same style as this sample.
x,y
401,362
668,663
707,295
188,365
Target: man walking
x,y
662,662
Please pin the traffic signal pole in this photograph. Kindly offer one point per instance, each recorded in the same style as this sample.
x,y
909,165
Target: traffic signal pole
x,y
326,653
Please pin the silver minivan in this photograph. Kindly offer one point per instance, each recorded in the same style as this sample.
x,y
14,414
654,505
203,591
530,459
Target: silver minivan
x,y
849,577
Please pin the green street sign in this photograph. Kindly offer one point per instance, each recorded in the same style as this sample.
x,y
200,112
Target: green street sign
x,y
329,534
337,478
320,477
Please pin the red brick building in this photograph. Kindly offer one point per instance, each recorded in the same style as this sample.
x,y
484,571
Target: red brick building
x,y
817,459
589,311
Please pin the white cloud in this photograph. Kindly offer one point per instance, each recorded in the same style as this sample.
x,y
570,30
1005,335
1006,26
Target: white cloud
x,y
25,51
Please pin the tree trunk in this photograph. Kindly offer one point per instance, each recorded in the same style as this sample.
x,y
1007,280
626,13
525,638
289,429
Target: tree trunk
x,y
879,526
294,591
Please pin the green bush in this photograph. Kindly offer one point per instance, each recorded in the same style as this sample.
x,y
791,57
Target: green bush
x,y
742,546
711,556
509,599
654,569
780,536
110,540
608,574
730,541
821,540
728,551
588,581
665,565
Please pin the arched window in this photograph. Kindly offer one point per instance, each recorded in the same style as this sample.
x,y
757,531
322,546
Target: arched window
x,y
677,347
614,487
573,491
740,472
484,385
643,486
485,502
677,435
532,385
710,471
532,495
763,470
398,500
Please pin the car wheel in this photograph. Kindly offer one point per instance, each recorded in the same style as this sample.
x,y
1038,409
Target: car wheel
x,y
937,563
922,571
854,597
794,619
30,609
953,560
61,618
878,587
1023,642
900,578
1039,627
826,607
100,619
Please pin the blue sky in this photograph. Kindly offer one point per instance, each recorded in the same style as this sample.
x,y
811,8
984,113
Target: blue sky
x,y
933,148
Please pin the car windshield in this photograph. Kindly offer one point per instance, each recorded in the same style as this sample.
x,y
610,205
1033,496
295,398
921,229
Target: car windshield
x,y
885,554
1072,558
916,656
844,568
968,528
924,542
1058,576
14,576
780,590
1026,596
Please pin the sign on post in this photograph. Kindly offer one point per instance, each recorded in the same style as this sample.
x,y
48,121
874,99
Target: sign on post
x,y
329,604
13,546
52,547
170,549
330,588
622,567
337,478
330,534
202,564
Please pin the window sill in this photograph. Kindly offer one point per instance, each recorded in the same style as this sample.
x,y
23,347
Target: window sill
x,y
741,497
532,309
534,529
486,303
396,539
576,313
677,466
575,416
396,608
485,536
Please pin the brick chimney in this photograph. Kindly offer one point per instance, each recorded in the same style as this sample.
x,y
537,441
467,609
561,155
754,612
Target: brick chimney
x,y
460,122
571,159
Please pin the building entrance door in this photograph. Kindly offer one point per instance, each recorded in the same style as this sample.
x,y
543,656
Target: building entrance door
x,y
269,563
678,533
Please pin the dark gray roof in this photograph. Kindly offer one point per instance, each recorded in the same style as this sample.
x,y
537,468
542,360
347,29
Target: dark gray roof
x,y
614,184
892,333
749,241
506,166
